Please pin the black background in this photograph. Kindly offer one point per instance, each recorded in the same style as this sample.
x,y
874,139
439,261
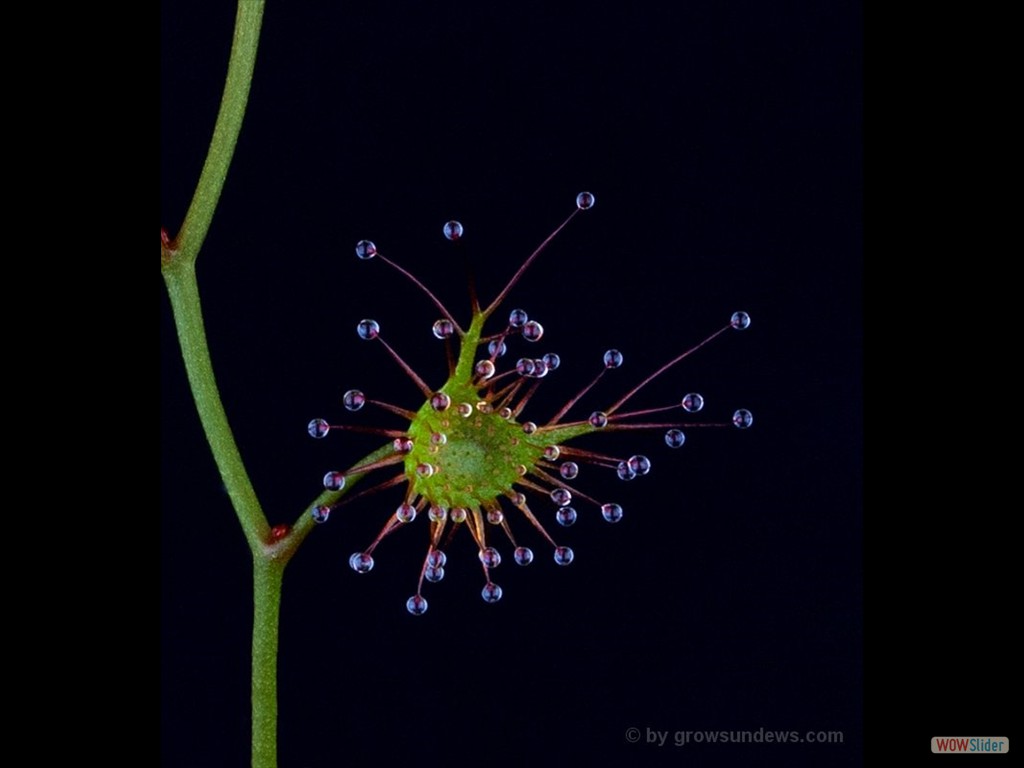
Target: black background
x,y
723,143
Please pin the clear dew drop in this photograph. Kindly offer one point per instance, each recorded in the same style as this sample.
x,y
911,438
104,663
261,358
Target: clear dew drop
x,y
525,366
552,361
423,469
365,249
405,513
443,328
612,358
518,498
611,512
640,464
353,400
320,513
598,419
437,513
585,200
529,427
533,331
490,557
495,516
505,413
521,470
440,401
361,562
497,348
433,573
517,318
485,369
675,438
368,329
569,470
438,438
563,555
693,402
552,452
416,605
334,481
402,444
436,558
318,428
742,418
465,410
491,593
540,368
459,514
484,407
624,471
561,496
740,321
453,230
523,555
566,516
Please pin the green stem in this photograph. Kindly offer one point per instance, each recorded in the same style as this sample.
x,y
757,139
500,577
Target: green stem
x,y
246,40
267,576
269,558
285,548
188,318
177,262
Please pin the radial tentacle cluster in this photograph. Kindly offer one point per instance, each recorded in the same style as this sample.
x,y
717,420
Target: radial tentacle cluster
x,y
467,457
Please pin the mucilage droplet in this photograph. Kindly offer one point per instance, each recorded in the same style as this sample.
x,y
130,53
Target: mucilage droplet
x,y
368,329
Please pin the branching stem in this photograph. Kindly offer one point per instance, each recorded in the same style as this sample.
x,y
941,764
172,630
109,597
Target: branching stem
x,y
177,264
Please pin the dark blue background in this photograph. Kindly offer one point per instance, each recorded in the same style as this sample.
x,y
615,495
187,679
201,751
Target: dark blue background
x,y
723,143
